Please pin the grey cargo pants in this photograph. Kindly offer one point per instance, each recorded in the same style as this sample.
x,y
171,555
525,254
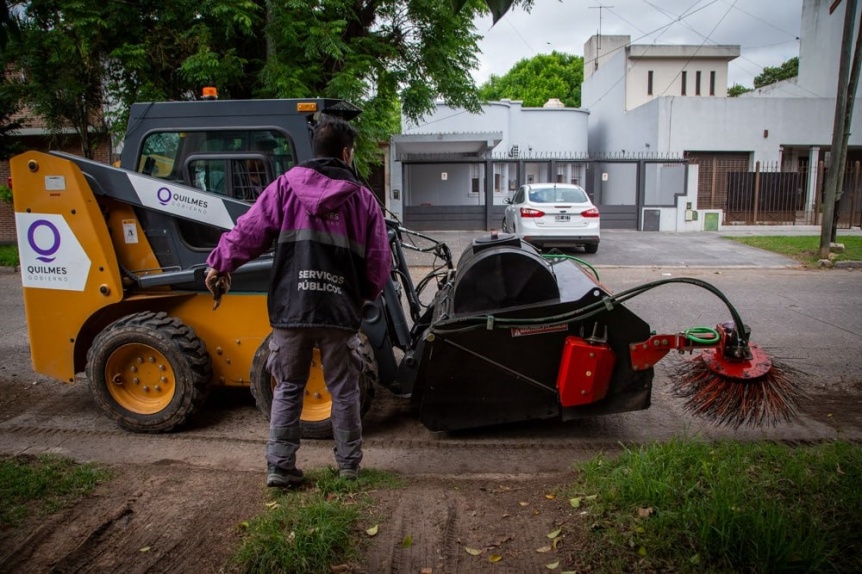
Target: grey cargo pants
x,y
289,362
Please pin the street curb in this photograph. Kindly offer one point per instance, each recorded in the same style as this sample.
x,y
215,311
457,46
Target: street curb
x,y
7,269
848,265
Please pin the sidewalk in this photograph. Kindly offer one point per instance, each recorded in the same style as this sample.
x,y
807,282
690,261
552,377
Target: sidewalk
x,y
780,230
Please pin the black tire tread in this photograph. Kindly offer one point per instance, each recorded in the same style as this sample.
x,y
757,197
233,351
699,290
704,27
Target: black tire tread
x,y
184,340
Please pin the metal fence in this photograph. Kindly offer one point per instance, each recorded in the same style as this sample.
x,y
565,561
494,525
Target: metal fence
x,y
770,195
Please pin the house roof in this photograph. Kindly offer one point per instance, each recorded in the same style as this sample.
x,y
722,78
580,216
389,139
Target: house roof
x,y
474,143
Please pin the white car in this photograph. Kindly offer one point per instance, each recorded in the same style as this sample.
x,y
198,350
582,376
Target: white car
x,y
553,215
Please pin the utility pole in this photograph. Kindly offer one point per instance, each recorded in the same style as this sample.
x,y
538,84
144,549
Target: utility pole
x,y
848,82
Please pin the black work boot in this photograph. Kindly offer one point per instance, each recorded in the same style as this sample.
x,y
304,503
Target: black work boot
x,y
283,478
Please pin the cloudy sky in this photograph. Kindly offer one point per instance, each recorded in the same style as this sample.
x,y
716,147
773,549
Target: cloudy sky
x,y
766,30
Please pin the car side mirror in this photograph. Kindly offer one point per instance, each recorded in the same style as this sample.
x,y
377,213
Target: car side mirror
x,y
507,201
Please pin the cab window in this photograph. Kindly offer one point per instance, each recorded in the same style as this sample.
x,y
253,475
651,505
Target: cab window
x,y
233,163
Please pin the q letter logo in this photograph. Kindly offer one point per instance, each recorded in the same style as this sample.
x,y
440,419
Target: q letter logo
x,y
164,195
54,242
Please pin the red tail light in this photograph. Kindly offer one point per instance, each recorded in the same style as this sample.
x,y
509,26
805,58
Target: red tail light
x,y
591,212
529,212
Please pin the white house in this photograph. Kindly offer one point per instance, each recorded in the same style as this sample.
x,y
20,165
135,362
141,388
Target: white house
x,y
670,100
645,109
454,169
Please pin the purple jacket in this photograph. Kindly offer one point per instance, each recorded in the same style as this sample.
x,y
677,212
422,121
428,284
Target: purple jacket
x,y
332,251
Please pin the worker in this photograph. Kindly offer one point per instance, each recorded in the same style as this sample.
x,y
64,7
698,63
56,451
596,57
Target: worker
x,y
331,256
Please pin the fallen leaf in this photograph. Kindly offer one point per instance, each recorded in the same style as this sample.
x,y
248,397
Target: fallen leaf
x,y
543,549
506,515
373,530
550,496
244,524
554,534
472,551
575,502
553,565
272,504
338,568
695,560
642,551
556,541
591,497
144,549
291,536
640,529
646,512
568,572
425,570
494,558
407,542
522,503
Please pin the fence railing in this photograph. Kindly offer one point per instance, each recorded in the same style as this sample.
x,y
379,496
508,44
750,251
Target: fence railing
x,y
770,195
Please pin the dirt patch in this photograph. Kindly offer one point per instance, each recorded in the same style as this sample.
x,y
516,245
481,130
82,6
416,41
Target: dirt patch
x,y
452,525
157,518
176,518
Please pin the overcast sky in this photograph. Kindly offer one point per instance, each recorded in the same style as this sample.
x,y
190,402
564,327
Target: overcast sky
x,y
766,30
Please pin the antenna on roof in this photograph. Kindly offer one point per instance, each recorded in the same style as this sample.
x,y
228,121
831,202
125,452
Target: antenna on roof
x,y
599,42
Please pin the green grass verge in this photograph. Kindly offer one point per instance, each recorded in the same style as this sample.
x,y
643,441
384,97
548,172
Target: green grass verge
x,y
688,506
312,528
8,256
44,485
803,248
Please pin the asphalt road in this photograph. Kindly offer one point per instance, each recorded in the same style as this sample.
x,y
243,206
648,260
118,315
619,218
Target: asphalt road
x,y
810,319
639,249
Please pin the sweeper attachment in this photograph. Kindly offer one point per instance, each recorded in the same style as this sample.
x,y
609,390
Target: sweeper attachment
x,y
515,335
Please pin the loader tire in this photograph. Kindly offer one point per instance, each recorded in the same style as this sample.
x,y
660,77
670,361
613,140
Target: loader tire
x,y
148,372
315,421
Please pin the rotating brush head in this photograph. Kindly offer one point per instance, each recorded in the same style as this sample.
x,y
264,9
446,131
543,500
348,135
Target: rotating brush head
x,y
755,392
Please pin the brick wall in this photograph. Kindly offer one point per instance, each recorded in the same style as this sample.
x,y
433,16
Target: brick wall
x,y
70,144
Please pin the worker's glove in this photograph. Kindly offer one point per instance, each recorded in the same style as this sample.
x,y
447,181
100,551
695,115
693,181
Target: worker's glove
x,y
218,284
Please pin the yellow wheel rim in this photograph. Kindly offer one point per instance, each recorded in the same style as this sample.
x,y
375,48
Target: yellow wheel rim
x,y
140,379
317,404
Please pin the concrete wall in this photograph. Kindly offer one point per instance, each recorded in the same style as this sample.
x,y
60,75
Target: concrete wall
x,y
425,185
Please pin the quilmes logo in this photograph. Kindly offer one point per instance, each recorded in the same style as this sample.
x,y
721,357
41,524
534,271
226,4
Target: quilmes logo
x,y
182,201
51,255
155,194
47,243
164,195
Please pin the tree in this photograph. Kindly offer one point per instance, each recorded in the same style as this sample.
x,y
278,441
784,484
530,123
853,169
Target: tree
x,y
497,7
86,61
537,79
9,96
737,90
374,54
772,74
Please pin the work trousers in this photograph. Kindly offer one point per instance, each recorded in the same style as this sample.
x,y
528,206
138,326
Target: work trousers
x,y
289,363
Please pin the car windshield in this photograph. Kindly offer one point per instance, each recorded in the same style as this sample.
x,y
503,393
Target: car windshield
x,y
558,194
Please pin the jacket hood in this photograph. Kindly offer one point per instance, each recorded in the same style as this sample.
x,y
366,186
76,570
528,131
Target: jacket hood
x,y
322,185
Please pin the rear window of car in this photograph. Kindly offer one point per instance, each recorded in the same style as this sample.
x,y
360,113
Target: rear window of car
x,y
556,194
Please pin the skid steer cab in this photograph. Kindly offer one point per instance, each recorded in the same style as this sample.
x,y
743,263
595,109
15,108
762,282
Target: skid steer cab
x,y
113,262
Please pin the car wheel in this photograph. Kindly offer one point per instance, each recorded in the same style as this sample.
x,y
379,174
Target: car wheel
x,y
591,247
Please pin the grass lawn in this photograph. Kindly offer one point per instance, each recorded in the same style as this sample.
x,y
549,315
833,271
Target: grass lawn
x,y
690,506
8,256
43,484
803,248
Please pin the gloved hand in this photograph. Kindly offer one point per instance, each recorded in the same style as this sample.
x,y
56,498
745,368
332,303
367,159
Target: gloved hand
x,y
218,284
